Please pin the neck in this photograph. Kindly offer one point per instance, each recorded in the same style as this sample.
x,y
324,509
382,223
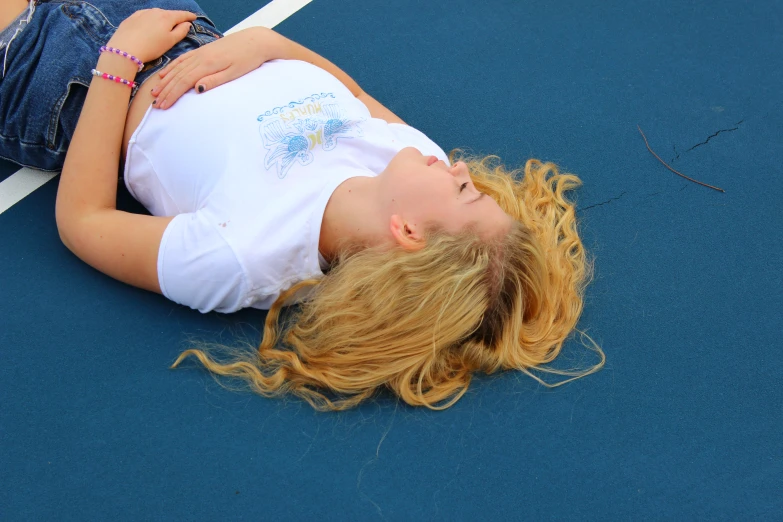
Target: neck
x,y
353,218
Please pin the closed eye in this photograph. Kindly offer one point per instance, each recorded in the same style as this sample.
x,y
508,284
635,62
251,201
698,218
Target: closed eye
x,y
462,187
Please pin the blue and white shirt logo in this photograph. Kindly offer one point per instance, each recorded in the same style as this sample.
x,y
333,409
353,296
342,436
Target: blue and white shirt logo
x,y
290,133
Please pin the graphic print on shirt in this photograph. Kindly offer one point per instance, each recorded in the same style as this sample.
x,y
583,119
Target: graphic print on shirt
x,y
292,131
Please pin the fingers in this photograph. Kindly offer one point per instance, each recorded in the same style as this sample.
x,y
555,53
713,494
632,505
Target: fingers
x,y
178,83
168,74
177,17
180,31
176,62
208,83
172,64
189,76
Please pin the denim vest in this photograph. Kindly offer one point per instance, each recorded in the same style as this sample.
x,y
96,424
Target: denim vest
x,y
47,66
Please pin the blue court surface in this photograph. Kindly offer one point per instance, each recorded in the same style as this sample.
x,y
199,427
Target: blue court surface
x,y
684,422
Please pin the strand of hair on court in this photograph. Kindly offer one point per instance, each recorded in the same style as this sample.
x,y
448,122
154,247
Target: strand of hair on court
x,y
668,167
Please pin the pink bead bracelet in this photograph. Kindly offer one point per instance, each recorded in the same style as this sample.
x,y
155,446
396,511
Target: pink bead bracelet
x,y
107,76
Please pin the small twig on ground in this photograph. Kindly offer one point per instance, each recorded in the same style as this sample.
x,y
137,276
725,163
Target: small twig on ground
x,y
668,167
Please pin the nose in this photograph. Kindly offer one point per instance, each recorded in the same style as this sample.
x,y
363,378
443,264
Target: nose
x,y
460,170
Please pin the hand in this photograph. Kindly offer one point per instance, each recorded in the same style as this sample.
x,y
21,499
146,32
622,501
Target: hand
x,y
214,64
149,33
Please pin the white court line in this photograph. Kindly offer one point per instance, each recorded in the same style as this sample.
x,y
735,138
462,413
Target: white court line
x,y
24,182
19,185
271,14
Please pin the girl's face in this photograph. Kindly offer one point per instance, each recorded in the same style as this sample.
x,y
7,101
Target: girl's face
x,y
424,191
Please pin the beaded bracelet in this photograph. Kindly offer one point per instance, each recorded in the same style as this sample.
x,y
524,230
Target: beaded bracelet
x,y
138,62
107,76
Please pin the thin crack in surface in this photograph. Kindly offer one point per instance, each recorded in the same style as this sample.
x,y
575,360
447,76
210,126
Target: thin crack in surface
x,y
676,154
712,136
605,202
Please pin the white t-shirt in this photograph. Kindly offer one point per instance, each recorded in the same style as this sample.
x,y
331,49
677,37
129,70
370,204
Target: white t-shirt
x,y
248,169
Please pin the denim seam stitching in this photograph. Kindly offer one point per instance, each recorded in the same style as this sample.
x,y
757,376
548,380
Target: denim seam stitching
x,y
79,21
54,119
25,165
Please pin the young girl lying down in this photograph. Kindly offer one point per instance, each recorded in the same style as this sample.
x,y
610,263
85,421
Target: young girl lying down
x,y
273,178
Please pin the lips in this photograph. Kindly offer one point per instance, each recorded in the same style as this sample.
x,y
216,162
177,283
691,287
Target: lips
x,y
431,160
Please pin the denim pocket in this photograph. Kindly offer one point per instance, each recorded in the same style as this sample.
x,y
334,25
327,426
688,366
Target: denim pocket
x,y
203,31
65,115
92,25
91,20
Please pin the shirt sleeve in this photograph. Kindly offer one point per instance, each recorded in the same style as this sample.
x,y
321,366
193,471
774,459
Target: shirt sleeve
x,y
197,268
415,138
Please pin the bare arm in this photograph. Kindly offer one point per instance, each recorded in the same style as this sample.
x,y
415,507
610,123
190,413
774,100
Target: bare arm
x,y
290,50
239,53
122,245
277,46
377,110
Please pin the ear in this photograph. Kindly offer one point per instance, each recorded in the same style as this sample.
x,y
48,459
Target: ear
x,y
406,234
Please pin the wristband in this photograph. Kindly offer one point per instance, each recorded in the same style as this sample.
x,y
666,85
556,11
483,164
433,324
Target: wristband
x,y
107,76
138,62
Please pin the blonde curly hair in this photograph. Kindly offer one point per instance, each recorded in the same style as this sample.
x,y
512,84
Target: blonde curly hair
x,y
420,323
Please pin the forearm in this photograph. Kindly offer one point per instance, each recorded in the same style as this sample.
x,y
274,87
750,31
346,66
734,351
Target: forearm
x,y
377,110
89,177
277,46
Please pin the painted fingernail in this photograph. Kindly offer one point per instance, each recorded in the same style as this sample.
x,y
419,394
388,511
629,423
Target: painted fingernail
x,y
201,88
154,102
